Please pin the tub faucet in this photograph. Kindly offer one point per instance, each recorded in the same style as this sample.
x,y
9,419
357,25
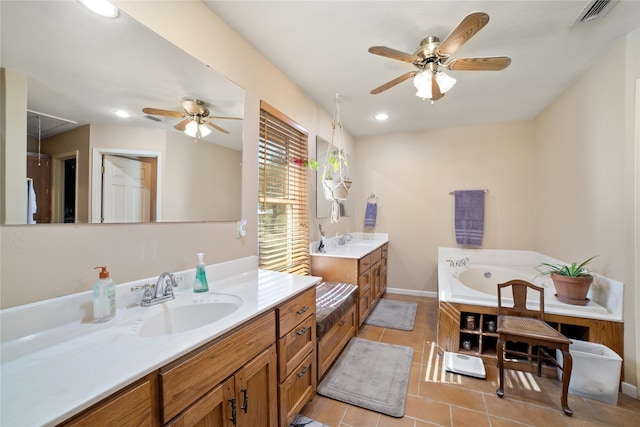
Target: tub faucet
x,y
462,262
458,263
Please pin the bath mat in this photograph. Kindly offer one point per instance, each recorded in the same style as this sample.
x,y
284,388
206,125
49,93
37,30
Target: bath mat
x,y
393,314
371,375
302,421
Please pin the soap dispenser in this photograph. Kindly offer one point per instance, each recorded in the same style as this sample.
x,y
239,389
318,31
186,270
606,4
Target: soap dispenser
x,y
104,297
200,284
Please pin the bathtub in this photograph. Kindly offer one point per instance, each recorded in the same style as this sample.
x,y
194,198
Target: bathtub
x,y
476,281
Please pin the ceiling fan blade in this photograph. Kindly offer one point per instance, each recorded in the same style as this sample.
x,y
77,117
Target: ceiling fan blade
x,y
495,63
393,54
216,127
225,118
435,89
158,112
466,29
183,124
393,82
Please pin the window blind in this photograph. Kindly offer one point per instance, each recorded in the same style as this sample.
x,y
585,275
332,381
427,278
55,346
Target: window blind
x,y
283,201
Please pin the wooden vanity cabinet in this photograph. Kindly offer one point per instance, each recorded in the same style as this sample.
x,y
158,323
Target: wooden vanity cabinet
x,y
239,363
135,405
368,272
296,354
248,398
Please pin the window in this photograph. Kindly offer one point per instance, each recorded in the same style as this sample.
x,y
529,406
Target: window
x,y
283,201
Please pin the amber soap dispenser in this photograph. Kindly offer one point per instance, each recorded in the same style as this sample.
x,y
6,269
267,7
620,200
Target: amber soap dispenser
x,y
104,297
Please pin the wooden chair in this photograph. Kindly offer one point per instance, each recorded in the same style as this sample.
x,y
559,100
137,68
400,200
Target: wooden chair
x,y
522,325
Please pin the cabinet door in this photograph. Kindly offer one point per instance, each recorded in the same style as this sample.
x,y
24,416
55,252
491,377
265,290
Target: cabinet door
x,y
257,390
214,409
376,289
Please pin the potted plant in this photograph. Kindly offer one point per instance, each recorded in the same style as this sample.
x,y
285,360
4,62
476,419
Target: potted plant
x,y
572,282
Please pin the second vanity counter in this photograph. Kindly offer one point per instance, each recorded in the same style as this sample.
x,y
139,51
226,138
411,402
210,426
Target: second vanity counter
x,y
51,375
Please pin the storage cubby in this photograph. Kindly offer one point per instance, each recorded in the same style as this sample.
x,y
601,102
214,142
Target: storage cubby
x,y
453,331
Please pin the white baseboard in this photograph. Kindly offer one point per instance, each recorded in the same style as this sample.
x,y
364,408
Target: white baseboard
x,y
630,390
428,294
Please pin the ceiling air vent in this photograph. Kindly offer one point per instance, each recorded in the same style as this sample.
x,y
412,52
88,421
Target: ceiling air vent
x,y
595,10
155,119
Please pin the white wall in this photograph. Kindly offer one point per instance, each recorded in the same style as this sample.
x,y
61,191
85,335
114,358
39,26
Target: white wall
x,y
412,174
585,176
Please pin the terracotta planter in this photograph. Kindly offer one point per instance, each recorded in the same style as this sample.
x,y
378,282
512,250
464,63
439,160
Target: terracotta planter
x,y
572,290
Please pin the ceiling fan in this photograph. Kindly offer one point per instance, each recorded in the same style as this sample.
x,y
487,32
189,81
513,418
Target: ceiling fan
x,y
434,54
196,116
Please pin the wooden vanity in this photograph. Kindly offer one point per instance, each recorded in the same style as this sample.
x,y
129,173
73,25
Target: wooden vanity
x,y
257,375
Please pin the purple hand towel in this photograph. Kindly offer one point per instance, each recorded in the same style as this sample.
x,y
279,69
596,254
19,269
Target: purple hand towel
x,y
469,217
370,214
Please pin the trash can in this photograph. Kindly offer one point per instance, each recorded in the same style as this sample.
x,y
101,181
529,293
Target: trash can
x,y
595,373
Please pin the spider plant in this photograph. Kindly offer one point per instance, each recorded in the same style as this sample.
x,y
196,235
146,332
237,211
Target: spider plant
x,y
573,270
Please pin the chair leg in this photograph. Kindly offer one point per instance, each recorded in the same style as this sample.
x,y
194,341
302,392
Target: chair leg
x,y
566,376
539,361
500,351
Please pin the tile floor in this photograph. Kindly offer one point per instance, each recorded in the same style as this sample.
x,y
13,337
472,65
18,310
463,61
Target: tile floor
x,y
453,400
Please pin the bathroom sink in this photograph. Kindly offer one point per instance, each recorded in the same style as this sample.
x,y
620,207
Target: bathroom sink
x,y
175,319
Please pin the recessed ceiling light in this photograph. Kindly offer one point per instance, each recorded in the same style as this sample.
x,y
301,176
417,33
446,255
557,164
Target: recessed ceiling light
x,y
101,7
381,117
122,113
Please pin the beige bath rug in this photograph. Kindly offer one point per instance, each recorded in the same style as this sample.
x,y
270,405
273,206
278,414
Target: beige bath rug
x,y
393,314
371,375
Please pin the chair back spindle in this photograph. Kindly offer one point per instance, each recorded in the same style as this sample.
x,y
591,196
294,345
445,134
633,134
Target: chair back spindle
x,y
519,290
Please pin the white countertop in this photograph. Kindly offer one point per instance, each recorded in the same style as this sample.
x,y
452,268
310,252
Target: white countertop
x,y
48,376
360,245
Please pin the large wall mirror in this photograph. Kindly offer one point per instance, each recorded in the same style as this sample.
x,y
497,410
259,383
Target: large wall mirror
x,y
71,70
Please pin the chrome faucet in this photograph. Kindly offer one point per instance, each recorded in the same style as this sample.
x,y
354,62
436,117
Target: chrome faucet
x,y
163,290
344,239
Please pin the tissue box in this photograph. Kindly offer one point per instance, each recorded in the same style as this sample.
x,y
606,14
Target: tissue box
x,y
595,373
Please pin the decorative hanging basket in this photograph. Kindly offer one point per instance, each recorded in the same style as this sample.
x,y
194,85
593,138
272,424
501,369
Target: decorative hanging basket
x,y
336,180
336,190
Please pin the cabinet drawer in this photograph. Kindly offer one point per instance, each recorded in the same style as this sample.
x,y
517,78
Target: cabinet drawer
x,y
331,343
364,263
185,381
385,250
295,346
291,313
297,389
375,256
132,407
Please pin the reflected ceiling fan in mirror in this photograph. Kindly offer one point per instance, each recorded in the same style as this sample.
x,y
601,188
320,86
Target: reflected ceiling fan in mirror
x,y
429,80
196,116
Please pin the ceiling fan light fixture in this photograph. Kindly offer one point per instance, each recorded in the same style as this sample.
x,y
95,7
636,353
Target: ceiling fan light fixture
x,y
103,8
191,129
204,131
445,81
195,128
422,82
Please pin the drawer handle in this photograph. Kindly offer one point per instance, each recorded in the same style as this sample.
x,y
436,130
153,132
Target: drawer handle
x,y
302,310
342,323
304,371
302,331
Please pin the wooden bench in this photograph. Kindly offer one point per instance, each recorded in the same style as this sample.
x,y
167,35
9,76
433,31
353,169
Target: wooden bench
x,y
336,321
